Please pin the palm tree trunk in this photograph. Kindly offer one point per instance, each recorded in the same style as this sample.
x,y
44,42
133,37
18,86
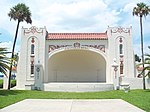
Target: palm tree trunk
x,y
12,56
144,87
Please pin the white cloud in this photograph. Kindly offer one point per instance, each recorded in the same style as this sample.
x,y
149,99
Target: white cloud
x,y
134,21
77,16
9,45
137,48
129,7
4,19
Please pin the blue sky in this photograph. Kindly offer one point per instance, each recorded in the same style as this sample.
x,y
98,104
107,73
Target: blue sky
x,y
75,16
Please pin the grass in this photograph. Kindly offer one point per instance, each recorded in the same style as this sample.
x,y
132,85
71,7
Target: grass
x,y
139,98
13,83
1,83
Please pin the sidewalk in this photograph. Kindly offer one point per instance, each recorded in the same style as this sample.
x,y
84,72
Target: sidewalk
x,y
71,105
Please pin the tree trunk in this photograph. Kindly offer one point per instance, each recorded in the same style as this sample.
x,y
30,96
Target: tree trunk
x,y
142,50
12,56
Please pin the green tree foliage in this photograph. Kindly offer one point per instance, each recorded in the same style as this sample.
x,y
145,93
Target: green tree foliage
x,y
15,60
141,10
4,61
147,66
137,58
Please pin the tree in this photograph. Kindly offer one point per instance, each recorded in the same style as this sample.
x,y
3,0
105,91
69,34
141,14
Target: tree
x,y
147,66
19,13
4,61
141,10
137,58
15,60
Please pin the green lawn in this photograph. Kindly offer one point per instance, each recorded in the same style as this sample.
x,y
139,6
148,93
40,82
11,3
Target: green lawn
x,y
139,98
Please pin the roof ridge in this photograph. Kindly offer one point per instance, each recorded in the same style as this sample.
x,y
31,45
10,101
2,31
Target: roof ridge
x,y
74,36
78,33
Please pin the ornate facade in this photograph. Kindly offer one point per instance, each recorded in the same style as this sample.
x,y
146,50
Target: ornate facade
x,y
74,57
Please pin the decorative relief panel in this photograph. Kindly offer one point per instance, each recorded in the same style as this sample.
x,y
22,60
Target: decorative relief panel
x,y
53,47
121,64
77,45
120,30
33,30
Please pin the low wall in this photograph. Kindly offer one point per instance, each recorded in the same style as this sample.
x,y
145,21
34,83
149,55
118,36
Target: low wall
x,y
78,87
136,83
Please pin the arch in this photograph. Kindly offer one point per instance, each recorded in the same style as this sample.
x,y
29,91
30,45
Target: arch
x,y
77,65
85,48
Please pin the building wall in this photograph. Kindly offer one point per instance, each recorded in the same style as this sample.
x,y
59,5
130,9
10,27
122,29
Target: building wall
x,y
30,36
117,36
136,83
46,49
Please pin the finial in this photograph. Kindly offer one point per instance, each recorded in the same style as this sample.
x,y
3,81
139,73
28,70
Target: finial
x,y
114,60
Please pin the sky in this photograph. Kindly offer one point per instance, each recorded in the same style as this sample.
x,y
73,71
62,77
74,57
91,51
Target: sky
x,y
75,16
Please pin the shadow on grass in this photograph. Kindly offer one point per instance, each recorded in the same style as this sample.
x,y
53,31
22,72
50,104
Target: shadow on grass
x,y
9,92
147,90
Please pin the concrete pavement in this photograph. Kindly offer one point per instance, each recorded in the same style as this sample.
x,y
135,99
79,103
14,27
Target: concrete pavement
x,y
71,105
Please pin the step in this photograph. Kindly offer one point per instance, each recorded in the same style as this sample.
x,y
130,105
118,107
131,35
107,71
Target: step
x,y
78,87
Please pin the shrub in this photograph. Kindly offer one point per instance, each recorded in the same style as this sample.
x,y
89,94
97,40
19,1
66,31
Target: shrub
x,y
13,83
1,83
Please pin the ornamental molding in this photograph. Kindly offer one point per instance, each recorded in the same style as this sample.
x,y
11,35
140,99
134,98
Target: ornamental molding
x,y
76,45
120,30
33,30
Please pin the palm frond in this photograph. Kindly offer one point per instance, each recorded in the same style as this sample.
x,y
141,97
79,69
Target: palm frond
x,y
21,13
141,10
147,66
4,61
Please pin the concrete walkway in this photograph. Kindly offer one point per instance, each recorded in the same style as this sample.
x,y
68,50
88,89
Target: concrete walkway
x,y
72,105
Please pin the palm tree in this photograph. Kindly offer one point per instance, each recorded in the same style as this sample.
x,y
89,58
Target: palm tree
x,y
141,10
15,60
21,13
4,61
137,58
147,67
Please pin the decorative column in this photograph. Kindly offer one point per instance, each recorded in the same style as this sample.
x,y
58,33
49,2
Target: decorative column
x,y
116,77
38,85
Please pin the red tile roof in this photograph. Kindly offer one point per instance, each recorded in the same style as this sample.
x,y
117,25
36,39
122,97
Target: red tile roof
x,y
77,36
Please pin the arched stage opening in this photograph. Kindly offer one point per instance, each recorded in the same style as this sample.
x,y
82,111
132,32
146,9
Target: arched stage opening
x,y
77,65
